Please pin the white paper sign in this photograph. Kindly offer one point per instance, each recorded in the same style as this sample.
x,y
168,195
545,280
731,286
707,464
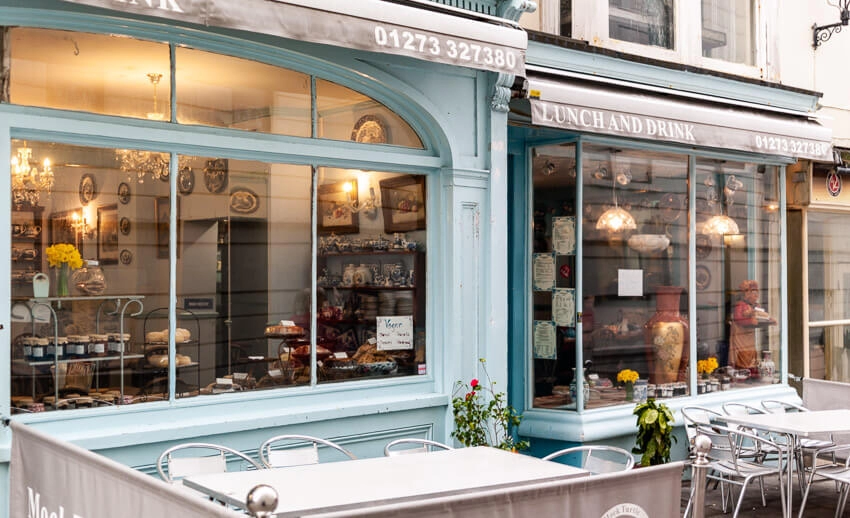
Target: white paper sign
x,y
564,307
543,272
564,235
630,283
544,340
395,333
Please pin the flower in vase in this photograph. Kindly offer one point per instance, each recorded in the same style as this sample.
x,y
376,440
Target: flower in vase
x,y
64,253
707,366
627,376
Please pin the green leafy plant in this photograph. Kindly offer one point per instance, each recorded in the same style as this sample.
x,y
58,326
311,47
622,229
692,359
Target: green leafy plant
x,y
482,416
655,432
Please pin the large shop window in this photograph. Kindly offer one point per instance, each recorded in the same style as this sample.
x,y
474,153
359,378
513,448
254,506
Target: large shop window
x,y
635,270
94,229
829,296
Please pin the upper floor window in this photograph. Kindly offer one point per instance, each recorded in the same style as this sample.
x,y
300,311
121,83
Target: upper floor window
x,y
648,22
727,30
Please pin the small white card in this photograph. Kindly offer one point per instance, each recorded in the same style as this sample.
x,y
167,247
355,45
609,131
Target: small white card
x,y
240,375
223,381
630,283
341,355
275,373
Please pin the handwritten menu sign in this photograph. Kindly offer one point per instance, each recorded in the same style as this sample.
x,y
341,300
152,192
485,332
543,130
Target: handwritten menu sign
x,y
395,333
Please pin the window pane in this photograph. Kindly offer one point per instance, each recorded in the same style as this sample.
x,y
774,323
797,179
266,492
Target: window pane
x,y
553,173
95,73
105,216
348,115
224,91
727,30
371,267
829,266
648,22
737,272
635,279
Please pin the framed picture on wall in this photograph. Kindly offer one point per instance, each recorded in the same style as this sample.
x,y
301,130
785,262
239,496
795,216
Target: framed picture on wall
x,y
162,211
403,203
334,212
107,234
62,229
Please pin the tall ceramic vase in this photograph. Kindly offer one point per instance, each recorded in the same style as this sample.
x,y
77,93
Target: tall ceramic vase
x,y
666,334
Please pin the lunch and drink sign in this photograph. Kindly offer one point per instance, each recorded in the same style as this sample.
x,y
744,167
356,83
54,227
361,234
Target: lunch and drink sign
x,y
503,50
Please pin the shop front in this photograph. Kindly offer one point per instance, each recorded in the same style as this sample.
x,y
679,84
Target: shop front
x,y
649,244
228,220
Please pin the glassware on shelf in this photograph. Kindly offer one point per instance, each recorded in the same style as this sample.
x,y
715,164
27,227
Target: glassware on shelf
x,y
90,279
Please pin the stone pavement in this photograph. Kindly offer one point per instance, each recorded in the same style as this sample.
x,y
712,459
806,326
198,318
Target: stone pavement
x,y
821,502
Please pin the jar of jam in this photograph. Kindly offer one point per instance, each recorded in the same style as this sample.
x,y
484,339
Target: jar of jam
x,y
97,344
75,348
39,349
118,342
55,349
26,344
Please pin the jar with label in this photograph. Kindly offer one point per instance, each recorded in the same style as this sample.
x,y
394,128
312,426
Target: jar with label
x,y
97,344
76,346
39,349
55,349
118,342
26,346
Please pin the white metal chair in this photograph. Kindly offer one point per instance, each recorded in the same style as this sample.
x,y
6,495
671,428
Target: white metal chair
x,y
598,459
422,446
840,473
172,468
730,465
274,453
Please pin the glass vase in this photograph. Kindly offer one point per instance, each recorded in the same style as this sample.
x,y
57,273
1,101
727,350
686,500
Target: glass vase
x,y
62,276
630,391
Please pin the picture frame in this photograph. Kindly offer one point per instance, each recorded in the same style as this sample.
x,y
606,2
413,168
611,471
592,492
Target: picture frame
x,y
403,203
162,211
334,213
124,193
62,230
107,234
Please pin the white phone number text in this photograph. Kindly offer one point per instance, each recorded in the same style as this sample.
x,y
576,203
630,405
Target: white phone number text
x,y
459,50
785,145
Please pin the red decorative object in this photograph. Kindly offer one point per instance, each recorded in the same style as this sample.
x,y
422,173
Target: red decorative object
x,y
666,335
565,271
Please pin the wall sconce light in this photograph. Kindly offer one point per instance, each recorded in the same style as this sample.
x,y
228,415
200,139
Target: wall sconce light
x,y
368,208
822,33
80,225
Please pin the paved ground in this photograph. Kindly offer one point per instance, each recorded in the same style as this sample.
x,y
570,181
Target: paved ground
x,y
821,502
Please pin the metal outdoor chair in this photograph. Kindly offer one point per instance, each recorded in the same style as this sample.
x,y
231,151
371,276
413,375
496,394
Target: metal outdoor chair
x,y
731,464
598,459
289,450
174,463
422,446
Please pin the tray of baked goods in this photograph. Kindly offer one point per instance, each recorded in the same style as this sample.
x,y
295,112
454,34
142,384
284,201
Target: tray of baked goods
x,y
181,336
284,329
156,356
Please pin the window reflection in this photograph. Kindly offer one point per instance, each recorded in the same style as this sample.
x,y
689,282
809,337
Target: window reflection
x,y
647,22
727,30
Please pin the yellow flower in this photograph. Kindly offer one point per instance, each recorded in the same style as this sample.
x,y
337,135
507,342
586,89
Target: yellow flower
x,y
627,376
64,253
707,366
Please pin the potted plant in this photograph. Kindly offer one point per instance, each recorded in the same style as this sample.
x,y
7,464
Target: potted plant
x,y
655,432
482,416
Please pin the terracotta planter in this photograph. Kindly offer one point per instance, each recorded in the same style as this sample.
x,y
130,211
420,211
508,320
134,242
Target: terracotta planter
x,y
666,336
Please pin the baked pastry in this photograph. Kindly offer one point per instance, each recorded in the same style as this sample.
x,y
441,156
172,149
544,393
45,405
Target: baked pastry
x,y
284,330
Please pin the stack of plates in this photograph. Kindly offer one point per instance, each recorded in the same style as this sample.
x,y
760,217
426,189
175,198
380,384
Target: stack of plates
x,y
387,303
404,304
369,306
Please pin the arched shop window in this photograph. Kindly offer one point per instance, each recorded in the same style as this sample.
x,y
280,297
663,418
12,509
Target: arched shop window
x,y
253,312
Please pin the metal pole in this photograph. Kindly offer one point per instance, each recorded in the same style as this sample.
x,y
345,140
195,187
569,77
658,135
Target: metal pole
x,y
699,470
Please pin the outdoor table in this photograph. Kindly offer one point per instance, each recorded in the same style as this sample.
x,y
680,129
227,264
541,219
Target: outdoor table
x,y
795,425
336,486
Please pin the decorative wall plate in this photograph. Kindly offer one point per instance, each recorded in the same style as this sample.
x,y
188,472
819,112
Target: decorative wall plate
x,y
703,277
703,245
124,226
88,188
124,193
369,129
672,206
126,256
186,180
215,175
244,200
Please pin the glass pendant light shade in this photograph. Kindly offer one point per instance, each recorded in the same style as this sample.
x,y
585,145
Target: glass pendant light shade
x,y
616,219
721,225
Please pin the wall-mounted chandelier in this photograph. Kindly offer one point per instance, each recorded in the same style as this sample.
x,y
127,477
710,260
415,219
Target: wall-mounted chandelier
x,y
28,182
